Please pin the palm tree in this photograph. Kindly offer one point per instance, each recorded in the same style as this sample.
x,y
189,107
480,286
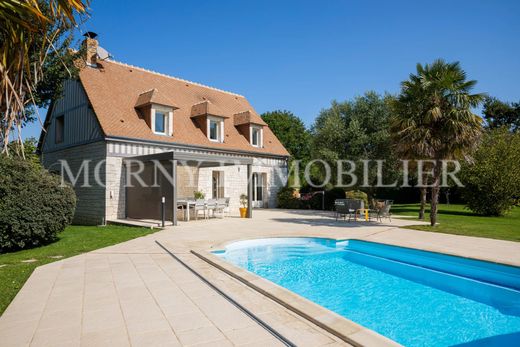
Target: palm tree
x,y
29,30
433,118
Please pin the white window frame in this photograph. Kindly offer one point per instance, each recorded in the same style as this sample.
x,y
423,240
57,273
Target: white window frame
x,y
168,117
260,143
220,129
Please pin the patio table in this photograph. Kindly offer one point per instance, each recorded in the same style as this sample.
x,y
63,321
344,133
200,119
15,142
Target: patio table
x,y
186,203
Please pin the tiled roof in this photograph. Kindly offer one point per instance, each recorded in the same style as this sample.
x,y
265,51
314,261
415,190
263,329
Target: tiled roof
x,y
153,96
248,117
114,89
206,108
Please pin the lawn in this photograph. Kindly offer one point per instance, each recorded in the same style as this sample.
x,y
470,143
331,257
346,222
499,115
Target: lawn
x,y
72,241
455,219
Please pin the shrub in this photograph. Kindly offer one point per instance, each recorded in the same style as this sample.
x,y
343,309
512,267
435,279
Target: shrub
x,y
492,181
285,199
332,195
33,205
357,194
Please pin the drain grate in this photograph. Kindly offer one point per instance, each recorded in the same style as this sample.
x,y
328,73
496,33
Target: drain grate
x,y
248,313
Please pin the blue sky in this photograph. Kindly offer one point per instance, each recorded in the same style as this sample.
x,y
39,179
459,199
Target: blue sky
x,y
301,55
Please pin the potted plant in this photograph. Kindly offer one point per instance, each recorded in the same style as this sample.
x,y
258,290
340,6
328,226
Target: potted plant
x,y
243,206
198,195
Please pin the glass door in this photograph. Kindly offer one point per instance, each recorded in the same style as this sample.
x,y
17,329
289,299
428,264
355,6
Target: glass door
x,y
258,189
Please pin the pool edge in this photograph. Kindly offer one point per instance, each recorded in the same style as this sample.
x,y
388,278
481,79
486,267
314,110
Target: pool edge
x,y
332,322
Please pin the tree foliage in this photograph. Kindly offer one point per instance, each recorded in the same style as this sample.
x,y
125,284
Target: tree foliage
x,y
354,130
291,132
34,58
502,114
492,179
433,113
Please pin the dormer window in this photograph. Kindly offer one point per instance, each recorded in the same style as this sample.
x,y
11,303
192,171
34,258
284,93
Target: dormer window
x,y
256,136
157,111
162,121
215,129
251,125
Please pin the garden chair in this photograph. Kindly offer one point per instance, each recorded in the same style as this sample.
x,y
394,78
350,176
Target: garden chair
x,y
340,208
211,205
385,211
221,206
354,205
199,205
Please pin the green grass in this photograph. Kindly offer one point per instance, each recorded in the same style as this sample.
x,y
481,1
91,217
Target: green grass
x,y
455,219
72,241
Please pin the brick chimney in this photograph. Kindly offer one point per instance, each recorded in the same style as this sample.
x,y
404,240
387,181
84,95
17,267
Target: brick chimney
x,y
91,45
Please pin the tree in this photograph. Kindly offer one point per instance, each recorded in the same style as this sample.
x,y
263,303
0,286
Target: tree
x,y
435,117
356,130
295,137
492,178
33,55
291,132
502,114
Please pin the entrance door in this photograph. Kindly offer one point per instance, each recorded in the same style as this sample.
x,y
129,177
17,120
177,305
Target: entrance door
x,y
258,189
217,184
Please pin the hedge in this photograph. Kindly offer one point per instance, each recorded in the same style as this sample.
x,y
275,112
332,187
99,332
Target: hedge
x,y
34,206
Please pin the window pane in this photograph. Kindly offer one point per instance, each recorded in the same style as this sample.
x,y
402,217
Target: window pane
x,y
255,137
159,122
213,130
59,129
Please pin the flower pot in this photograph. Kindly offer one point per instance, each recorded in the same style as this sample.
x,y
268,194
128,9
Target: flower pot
x,y
243,212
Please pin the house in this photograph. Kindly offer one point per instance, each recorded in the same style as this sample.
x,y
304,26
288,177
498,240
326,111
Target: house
x,y
116,114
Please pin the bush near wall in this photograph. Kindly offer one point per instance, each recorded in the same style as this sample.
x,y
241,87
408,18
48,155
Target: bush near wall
x,y
287,200
34,208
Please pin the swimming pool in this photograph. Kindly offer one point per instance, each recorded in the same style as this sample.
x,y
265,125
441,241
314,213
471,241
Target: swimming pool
x,y
414,297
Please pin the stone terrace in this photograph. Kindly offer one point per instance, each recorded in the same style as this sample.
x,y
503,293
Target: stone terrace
x,y
135,294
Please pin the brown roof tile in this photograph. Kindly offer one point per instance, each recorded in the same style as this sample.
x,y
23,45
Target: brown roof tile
x,y
153,96
114,88
248,117
206,108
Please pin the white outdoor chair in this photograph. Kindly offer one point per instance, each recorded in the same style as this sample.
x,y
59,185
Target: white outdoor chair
x,y
200,205
211,205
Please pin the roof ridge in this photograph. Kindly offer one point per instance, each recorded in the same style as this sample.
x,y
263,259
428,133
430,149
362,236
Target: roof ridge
x,y
173,77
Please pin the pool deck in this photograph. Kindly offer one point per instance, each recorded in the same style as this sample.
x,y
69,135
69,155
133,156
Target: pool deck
x,y
135,293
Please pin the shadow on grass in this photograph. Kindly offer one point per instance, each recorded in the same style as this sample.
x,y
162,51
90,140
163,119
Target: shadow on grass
x,y
415,211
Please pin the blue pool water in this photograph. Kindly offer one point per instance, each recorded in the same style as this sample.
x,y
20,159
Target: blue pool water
x,y
414,297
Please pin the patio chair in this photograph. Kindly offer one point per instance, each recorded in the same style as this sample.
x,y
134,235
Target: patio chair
x,y
200,205
354,205
385,211
211,205
340,208
221,206
226,209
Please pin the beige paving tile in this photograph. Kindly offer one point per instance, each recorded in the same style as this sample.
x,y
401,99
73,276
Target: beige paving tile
x,y
252,334
106,337
154,338
188,321
199,336
57,336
